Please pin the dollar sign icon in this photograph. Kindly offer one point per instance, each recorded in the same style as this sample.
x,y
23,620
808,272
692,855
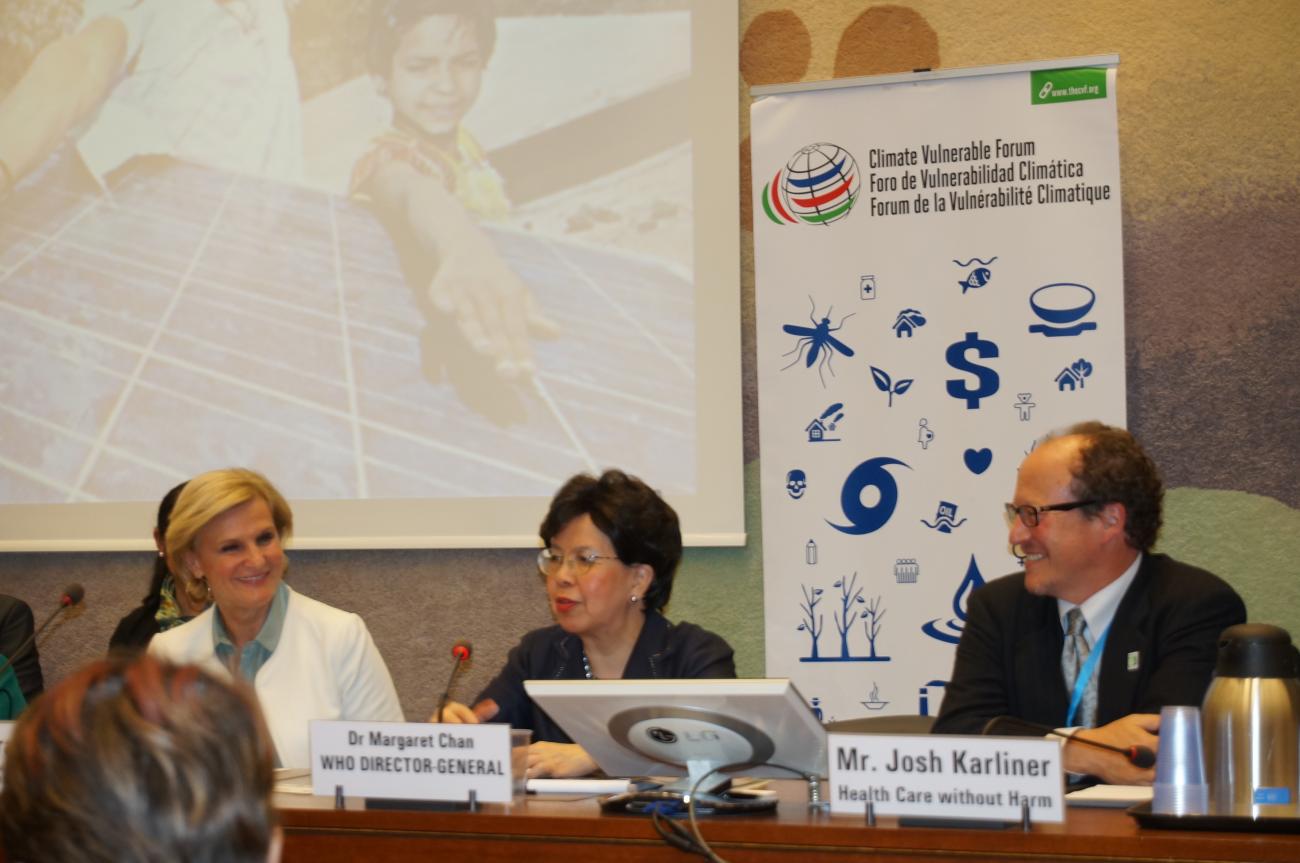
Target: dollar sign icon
x,y
987,378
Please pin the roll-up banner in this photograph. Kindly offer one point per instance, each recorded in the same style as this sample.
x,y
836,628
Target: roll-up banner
x,y
939,282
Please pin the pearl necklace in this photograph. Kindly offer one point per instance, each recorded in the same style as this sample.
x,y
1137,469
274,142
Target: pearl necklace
x,y
586,665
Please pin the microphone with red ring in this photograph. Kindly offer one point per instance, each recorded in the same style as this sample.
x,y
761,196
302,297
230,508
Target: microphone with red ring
x,y
1138,756
72,594
460,654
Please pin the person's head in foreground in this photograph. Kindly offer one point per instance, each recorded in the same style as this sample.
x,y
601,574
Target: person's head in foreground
x,y
135,759
1087,501
612,546
226,534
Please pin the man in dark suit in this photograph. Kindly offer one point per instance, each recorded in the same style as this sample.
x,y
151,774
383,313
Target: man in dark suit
x,y
1086,512
16,626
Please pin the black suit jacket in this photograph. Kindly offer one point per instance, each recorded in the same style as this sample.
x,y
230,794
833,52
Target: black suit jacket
x,y
1009,658
16,626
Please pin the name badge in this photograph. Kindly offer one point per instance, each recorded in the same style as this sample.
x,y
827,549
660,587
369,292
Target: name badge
x,y
946,776
411,760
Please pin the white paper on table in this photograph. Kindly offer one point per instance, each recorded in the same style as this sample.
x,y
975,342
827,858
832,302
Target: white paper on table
x,y
1109,795
579,786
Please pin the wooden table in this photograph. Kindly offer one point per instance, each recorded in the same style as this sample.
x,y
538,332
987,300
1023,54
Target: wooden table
x,y
570,830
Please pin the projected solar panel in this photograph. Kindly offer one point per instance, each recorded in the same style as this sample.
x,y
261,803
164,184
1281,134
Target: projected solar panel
x,y
190,319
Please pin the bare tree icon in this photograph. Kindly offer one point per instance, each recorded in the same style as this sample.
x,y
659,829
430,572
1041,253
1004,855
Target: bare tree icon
x,y
850,595
872,625
812,622
853,607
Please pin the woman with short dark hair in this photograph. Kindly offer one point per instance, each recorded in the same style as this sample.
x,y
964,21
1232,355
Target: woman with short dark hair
x,y
612,546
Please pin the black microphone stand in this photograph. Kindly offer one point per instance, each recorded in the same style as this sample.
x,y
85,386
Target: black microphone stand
x,y
65,603
1138,756
460,653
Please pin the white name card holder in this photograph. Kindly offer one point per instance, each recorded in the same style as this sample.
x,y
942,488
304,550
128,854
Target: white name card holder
x,y
411,765
945,780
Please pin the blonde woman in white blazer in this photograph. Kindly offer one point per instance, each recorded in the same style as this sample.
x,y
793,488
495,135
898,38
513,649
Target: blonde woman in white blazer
x,y
304,659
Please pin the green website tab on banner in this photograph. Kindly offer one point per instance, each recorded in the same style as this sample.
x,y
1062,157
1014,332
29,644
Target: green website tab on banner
x,y
1067,85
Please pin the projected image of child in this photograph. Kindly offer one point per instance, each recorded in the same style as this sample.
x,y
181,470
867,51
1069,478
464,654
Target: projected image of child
x,y
431,184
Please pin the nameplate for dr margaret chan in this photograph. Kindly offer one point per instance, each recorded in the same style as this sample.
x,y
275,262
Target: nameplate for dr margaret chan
x,y
944,776
411,760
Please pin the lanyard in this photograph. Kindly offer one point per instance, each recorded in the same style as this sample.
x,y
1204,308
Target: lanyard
x,y
1085,673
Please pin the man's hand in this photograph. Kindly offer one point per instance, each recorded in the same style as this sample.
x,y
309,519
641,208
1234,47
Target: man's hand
x,y
1136,729
560,760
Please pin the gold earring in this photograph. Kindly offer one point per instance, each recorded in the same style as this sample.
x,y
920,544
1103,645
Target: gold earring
x,y
197,588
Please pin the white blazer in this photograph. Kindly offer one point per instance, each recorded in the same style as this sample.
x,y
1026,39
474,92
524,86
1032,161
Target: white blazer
x,y
326,666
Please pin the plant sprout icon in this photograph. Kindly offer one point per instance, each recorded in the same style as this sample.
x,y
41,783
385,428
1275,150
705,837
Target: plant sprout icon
x,y
884,384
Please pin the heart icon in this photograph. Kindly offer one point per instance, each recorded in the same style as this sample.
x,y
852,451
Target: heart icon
x,y
978,460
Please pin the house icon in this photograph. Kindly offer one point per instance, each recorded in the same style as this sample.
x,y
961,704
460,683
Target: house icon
x,y
816,431
907,321
1069,380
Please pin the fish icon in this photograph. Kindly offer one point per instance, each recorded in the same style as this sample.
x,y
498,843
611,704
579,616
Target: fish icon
x,y
978,278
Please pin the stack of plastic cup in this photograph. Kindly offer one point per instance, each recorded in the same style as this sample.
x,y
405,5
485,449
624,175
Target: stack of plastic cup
x,y
1180,787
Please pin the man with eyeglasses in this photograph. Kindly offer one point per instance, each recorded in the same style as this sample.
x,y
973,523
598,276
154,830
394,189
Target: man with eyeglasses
x,y
1086,513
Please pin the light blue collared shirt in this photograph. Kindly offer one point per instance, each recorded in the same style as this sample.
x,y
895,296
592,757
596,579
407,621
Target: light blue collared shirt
x,y
256,652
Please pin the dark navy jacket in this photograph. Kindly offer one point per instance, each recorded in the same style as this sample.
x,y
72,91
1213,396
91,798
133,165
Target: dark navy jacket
x,y
663,651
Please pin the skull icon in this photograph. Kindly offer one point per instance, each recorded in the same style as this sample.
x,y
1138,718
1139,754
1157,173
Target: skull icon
x,y
795,483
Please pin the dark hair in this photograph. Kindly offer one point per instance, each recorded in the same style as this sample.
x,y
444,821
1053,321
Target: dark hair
x,y
160,570
133,758
1113,468
392,19
641,525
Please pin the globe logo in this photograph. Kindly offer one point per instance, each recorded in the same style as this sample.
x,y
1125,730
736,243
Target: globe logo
x,y
818,186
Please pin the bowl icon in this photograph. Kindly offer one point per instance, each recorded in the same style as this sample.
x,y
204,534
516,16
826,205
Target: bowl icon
x,y
1062,303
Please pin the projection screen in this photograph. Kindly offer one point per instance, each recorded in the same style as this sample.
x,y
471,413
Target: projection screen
x,y
237,298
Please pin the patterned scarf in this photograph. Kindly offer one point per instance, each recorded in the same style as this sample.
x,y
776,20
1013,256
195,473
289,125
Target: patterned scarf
x,y
169,613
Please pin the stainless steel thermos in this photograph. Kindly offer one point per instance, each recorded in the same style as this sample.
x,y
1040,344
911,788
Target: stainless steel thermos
x,y
1251,723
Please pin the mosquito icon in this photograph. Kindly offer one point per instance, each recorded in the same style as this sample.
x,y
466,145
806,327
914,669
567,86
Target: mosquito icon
x,y
818,341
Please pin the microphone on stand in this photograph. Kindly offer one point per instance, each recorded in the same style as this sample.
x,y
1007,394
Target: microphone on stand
x,y
72,595
460,654
1138,756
